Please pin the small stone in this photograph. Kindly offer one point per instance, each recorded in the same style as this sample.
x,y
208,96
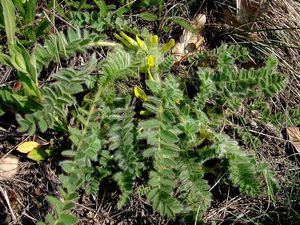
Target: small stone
x,y
89,215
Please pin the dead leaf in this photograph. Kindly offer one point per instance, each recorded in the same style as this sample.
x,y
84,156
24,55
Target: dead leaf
x,y
190,42
294,137
28,146
8,167
17,86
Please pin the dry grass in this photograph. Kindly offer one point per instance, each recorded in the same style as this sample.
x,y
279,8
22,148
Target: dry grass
x,y
280,34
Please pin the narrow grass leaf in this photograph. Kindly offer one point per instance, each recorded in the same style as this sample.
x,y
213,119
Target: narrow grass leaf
x,y
9,20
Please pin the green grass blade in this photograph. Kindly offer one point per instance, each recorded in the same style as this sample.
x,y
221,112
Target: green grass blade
x,y
9,20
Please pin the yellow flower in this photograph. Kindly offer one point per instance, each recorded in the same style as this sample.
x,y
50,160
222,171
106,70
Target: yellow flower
x,y
126,43
151,64
151,61
141,43
167,47
155,40
140,94
129,39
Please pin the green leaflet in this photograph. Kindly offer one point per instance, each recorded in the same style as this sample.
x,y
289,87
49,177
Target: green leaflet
x,y
148,16
184,23
168,136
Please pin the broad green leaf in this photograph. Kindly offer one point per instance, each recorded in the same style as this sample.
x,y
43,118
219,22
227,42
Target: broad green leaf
x,y
75,139
151,108
31,7
68,206
167,117
153,86
153,194
151,123
81,119
50,219
59,223
43,124
271,62
121,11
68,219
69,153
55,202
40,154
167,184
149,152
102,7
168,173
18,61
165,162
168,136
41,223
30,62
67,166
71,196
5,59
19,100
171,153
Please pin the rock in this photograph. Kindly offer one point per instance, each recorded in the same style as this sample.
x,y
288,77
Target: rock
x,y
8,167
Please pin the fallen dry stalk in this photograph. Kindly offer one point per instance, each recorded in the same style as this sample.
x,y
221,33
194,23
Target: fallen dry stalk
x,y
4,193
